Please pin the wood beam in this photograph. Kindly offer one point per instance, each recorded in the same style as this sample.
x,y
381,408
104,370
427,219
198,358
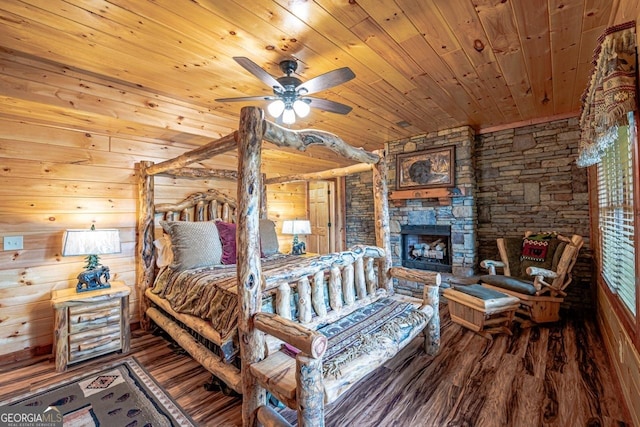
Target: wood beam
x,y
219,146
197,173
301,139
331,173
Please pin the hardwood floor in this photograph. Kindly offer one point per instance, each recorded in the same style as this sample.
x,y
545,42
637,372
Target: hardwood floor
x,y
542,376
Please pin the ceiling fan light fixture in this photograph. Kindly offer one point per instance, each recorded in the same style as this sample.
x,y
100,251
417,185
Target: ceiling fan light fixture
x,y
288,116
276,108
301,108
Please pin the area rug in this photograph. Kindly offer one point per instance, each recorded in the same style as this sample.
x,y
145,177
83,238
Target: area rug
x,y
122,394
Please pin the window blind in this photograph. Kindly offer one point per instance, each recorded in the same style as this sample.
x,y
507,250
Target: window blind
x,y
615,200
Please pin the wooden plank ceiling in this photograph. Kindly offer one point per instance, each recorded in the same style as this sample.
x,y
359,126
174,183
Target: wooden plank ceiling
x,y
153,68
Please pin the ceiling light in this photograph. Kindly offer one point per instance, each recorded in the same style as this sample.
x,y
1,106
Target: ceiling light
x,y
276,108
289,116
301,108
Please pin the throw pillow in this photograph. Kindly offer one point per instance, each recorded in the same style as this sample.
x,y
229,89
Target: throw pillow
x,y
164,251
227,232
195,244
268,237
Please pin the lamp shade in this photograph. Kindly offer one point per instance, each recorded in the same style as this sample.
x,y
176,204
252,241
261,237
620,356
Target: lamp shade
x,y
91,242
298,226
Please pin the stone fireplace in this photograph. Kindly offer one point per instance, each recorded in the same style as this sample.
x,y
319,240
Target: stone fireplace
x,y
454,214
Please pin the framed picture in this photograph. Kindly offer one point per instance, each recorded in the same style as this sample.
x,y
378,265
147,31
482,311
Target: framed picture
x,y
433,168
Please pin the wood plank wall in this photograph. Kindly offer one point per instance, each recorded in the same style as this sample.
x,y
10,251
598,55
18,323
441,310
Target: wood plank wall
x,y
287,201
53,179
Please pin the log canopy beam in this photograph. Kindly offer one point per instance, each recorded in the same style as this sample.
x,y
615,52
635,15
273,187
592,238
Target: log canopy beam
x,y
331,173
197,173
301,139
214,148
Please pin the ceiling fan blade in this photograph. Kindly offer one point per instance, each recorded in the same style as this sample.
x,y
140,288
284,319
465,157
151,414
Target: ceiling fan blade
x,y
247,98
257,71
326,80
325,104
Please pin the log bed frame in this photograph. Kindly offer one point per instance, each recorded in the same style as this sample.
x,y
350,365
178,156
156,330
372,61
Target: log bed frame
x,y
358,274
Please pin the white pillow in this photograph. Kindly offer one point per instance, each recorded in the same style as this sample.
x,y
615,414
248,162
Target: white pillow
x,y
268,237
164,251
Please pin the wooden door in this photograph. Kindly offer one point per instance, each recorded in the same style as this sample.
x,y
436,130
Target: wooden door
x,y
321,213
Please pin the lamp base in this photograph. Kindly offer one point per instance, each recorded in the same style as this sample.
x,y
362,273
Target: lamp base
x,y
93,279
298,248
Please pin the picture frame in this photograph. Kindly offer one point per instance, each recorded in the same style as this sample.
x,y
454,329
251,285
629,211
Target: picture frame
x,y
432,168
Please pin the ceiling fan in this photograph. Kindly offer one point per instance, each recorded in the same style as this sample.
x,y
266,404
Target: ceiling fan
x,y
290,94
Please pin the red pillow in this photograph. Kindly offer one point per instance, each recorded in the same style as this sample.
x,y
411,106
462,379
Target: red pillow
x,y
227,232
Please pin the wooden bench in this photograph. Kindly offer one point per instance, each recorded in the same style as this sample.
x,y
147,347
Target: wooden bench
x,y
384,325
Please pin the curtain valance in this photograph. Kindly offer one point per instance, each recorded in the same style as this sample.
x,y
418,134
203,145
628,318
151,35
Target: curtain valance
x,y
611,93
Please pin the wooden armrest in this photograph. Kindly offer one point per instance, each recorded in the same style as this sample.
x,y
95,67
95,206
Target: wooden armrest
x,y
490,265
537,271
306,340
414,275
431,280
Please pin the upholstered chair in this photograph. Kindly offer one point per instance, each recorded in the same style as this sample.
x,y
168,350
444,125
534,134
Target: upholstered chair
x,y
537,270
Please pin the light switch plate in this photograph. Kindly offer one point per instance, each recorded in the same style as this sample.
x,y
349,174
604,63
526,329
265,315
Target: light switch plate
x,y
13,243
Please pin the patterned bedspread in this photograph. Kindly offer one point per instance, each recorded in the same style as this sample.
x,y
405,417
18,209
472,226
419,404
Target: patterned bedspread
x,y
210,293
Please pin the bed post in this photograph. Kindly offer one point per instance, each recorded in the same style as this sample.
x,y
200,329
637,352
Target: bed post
x,y
250,278
145,266
263,198
381,213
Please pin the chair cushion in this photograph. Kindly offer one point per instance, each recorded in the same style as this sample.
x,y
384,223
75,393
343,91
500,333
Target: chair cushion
x,y
511,283
481,292
519,264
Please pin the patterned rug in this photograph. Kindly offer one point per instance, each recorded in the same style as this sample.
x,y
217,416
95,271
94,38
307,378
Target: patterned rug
x,y
123,394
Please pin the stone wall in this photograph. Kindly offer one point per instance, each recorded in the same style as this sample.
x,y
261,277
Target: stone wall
x,y
517,179
360,223
527,179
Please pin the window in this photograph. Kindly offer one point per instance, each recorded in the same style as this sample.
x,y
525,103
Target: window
x,y
615,201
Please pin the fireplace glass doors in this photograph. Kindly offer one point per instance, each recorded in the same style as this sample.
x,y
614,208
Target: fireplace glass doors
x,y
427,247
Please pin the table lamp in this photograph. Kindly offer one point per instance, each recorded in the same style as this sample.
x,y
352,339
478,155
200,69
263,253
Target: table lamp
x,y
295,227
92,243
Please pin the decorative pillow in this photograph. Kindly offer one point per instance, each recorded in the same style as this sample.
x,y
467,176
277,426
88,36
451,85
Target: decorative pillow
x,y
164,251
227,232
195,244
268,237
534,247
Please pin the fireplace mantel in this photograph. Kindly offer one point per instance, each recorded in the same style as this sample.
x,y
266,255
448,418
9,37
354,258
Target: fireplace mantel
x,y
431,193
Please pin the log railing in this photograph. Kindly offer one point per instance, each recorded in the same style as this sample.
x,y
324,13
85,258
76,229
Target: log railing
x,y
352,283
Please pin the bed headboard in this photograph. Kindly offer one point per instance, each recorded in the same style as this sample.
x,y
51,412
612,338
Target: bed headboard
x,y
202,206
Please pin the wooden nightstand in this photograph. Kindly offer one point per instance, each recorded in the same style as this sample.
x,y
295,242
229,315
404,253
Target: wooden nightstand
x,y
90,324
